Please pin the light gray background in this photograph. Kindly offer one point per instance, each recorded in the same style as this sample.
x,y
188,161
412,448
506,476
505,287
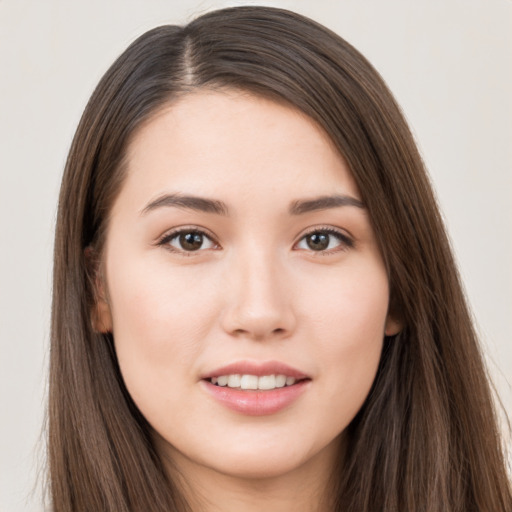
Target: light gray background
x,y
447,61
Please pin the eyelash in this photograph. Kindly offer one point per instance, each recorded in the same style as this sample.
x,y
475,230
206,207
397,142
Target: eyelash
x,y
345,242
165,240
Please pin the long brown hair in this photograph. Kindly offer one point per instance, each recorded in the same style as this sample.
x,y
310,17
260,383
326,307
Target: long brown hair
x,y
426,438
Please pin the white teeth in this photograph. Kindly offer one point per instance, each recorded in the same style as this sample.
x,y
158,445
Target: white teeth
x,y
234,381
265,382
280,381
222,380
249,382
290,381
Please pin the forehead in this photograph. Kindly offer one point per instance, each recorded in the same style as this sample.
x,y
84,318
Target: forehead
x,y
232,144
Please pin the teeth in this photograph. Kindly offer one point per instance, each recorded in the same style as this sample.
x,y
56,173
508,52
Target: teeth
x,y
234,381
265,382
290,381
249,382
280,381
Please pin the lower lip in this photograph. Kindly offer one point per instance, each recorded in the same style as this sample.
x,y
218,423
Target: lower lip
x,y
256,402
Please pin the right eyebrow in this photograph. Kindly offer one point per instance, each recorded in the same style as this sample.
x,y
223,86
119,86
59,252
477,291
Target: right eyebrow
x,y
324,203
201,204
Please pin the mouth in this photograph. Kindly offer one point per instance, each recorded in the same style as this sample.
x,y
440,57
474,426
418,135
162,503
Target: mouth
x,y
253,382
256,389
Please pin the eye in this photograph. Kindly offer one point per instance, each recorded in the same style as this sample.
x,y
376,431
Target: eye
x,y
323,240
188,240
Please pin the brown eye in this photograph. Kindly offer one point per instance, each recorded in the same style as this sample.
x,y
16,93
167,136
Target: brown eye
x,y
324,240
318,241
191,241
188,241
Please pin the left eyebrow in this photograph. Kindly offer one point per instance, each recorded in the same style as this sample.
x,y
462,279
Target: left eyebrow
x,y
201,204
324,203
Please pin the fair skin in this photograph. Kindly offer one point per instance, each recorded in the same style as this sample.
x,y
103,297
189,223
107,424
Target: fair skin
x,y
260,278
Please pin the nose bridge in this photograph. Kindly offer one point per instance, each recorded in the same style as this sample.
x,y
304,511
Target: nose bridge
x,y
259,303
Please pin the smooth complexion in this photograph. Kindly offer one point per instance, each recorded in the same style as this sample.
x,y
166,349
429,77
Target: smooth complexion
x,y
218,253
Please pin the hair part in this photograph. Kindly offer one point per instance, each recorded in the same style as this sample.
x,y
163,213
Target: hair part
x,y
426,438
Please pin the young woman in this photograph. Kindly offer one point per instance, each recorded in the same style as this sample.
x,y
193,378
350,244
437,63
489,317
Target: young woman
x,y
255,303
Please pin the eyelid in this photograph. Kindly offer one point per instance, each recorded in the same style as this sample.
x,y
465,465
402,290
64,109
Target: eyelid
x,y
164,239
346,240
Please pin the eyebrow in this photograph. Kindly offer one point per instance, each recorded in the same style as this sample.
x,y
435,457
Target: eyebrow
x,y
215,206
324,203
201,204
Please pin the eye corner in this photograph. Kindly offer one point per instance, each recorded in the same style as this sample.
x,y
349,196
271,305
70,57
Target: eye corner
x,y
188,241
327,241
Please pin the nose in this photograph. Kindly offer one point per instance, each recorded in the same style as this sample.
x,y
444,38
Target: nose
x,y
259,299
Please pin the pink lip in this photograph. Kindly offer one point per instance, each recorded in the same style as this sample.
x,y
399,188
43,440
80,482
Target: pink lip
x,y
257,402
256,368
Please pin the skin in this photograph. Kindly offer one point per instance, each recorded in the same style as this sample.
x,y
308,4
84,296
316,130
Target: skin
x,y
253,291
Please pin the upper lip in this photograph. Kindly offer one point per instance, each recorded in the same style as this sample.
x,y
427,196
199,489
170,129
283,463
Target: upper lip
x,y
256,368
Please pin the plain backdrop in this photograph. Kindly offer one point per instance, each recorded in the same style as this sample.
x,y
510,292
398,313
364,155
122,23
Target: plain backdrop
x,y
448,62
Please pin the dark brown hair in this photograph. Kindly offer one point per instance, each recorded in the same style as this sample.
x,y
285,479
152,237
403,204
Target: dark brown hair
x,y
426,438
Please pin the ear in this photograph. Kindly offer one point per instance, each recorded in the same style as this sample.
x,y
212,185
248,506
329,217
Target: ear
x,y
393,325
101,316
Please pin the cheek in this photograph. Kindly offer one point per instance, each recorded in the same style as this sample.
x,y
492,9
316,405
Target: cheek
x,y
349,321
157,330
350,305
158,303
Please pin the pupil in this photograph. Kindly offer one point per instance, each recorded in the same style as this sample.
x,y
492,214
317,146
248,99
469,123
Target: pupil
x,y
318,241
191,241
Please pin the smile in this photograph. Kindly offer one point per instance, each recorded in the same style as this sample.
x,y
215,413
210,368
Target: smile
x,y
253,382
256,388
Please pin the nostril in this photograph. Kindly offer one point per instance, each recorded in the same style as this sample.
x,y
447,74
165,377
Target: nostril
x,y
258,321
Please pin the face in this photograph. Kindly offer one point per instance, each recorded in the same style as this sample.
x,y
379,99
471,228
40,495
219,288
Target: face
x,y
239,256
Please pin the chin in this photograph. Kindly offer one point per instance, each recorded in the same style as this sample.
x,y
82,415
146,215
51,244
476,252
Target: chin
x,y
261,459
259,466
